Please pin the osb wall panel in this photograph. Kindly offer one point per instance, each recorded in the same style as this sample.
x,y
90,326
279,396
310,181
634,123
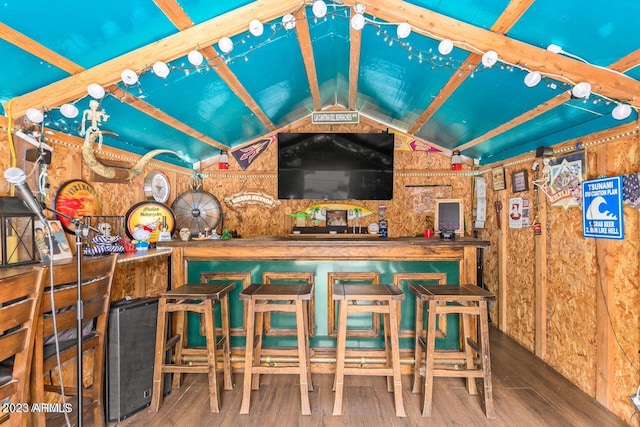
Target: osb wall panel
x,y
571,299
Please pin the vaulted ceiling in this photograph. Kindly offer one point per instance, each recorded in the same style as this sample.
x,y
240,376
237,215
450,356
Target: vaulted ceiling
x,y
52,51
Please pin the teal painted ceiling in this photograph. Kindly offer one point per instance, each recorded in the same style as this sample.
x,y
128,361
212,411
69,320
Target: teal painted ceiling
x,y
276,80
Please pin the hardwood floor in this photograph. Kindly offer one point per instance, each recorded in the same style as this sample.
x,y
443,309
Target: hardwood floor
x,y
526,393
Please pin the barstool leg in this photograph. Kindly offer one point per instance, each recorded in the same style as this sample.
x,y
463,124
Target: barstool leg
x,y
485,357
388,356
395,358
302,357
417,353
161,340
429,359
180,344
210,338
248,358
306,340
340,356
226,346
257,347
468,352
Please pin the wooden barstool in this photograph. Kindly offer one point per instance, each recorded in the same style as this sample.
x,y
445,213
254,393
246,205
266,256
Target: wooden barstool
x,y
383,299
466,301
260,299
196,298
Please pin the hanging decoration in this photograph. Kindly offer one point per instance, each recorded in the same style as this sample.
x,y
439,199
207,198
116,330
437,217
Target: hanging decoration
x,y
562,178
248,154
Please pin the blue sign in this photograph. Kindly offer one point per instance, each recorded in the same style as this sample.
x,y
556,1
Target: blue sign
x,y
602,212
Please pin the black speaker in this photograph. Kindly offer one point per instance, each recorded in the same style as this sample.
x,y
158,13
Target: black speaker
x,y
130,353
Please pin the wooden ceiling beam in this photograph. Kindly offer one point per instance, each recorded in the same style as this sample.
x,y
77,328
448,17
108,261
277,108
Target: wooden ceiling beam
x,y
304,39
355,38
630,61
167,49
604,82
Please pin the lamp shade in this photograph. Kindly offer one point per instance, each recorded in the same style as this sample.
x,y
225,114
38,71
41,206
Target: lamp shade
x,y
357,21
403,30
195,58
256,28
445,47
319,8
225,45
532,78
70,111
489,58
95,91
621,112
129,77
581,90
289,21
35,115
161,69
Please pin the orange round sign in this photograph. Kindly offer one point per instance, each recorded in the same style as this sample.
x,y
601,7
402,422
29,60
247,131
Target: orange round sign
x,y
76,199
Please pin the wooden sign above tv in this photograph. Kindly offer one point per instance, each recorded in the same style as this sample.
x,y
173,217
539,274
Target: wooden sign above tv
x,y
333,117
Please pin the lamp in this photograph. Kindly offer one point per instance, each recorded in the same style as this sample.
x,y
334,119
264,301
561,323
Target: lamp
x,y
489,58
95,91
581,90
445,47
256,28
129,77
289,21
195,58
161,69
319,8
70,111
18,245
223,160
35,115
357,21
225,45
532,78
403,30
621,111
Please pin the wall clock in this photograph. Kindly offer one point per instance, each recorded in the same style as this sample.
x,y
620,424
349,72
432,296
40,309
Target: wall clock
x,y
157,187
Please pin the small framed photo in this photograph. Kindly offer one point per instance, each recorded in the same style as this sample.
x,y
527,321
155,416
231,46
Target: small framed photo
x,y
336,218
497,177
59,247
520,181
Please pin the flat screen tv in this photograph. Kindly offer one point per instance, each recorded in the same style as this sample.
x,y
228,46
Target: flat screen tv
x,y
335,166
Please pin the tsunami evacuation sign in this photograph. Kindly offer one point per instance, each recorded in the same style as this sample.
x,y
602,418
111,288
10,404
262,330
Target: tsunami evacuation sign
x,y
602,212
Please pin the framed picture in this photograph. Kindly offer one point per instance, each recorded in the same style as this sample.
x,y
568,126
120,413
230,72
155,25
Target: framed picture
x,y
449,216
336,218
497,175
59,247
520,181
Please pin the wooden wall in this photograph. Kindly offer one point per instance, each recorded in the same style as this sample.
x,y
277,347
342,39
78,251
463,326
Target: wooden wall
x,y
570,300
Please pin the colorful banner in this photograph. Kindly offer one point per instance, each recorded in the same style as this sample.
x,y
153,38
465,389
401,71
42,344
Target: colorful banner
x,y
248,154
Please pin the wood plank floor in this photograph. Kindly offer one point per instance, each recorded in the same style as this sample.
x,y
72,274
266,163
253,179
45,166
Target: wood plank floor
x,y
526,393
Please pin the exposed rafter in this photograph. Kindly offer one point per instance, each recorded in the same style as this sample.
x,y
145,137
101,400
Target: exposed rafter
x,y
354,65
304,39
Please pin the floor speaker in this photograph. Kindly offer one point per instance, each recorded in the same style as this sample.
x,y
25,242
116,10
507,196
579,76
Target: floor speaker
x,y
130,353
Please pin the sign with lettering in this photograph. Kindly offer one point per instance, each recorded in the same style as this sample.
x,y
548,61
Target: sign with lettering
x,y
251,197
602,213
328,117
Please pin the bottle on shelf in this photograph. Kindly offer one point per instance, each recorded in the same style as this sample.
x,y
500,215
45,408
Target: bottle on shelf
x,y
383,225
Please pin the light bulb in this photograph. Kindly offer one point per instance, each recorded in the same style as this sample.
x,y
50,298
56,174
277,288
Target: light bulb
x,y
403,30
621,112
581,90
195,58
161,69
319,8
70,111
225,45
489,58
289,21
445,47
129,77
357,21
35,115
532,78
95,91
256,28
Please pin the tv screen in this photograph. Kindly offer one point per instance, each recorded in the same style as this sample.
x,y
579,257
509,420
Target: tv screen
x,y
335,166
